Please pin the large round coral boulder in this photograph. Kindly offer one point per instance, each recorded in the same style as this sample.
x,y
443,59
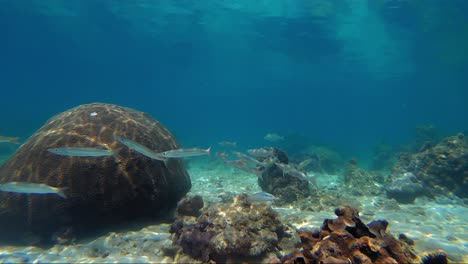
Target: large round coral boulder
x,y
99,190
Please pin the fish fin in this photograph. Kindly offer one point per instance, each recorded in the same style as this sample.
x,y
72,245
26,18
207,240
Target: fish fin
x,y
160,158
208,150
61,192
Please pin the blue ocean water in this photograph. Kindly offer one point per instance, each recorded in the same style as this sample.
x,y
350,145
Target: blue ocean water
x,y
347,74
353,76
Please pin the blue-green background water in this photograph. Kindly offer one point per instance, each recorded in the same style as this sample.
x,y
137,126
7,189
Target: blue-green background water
x,y
346,73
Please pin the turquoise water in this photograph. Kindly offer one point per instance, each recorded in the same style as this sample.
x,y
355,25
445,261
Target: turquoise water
x,y
351,76
344,73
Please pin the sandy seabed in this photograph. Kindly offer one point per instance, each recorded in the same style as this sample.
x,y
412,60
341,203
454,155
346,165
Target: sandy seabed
x,y
432,223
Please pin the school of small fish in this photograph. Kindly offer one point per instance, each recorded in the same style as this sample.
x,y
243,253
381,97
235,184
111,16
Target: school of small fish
x,y
79,151
255,162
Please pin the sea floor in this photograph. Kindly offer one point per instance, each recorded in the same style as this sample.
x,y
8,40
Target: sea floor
x,y
432,224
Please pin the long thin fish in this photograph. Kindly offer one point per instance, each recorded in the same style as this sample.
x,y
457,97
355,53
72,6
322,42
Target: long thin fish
x,y
261,197
141,149
182,153
251,160
4,139
261,152
82,152
288,170
27,187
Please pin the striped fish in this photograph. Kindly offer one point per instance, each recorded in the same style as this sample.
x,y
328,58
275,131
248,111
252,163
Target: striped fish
x,y
141,149
82,152
187,152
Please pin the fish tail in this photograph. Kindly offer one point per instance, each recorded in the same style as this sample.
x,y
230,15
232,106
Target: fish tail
x,y
15,140
160,158
61,192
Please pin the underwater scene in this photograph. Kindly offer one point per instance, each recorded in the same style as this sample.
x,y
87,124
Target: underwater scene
x,y
234,131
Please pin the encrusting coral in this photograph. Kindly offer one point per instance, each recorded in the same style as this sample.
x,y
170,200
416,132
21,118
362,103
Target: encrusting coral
x,y
237,230
241,230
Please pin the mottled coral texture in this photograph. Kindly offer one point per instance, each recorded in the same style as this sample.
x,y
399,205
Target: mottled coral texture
x,y
100,190
228,231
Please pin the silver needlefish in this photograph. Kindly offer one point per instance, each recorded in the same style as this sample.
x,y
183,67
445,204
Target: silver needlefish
x,y
261,152
251,160
291,171
141,149
4,139
27,187
185,152
261,197
82,152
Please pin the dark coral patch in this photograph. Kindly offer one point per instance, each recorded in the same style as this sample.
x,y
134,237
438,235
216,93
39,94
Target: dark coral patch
x,y
237,230
434,170
100,190
345,243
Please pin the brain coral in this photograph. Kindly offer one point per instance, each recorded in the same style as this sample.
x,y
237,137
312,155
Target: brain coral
x,y
100,190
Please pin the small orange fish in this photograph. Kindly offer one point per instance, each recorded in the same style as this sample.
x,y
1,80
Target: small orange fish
x,y
4,139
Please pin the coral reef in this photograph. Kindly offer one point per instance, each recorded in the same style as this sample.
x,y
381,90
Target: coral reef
x,y
346,239
281,183
286,188
239,231
425,136
236,230
439,168
361,182
100,190
190,206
